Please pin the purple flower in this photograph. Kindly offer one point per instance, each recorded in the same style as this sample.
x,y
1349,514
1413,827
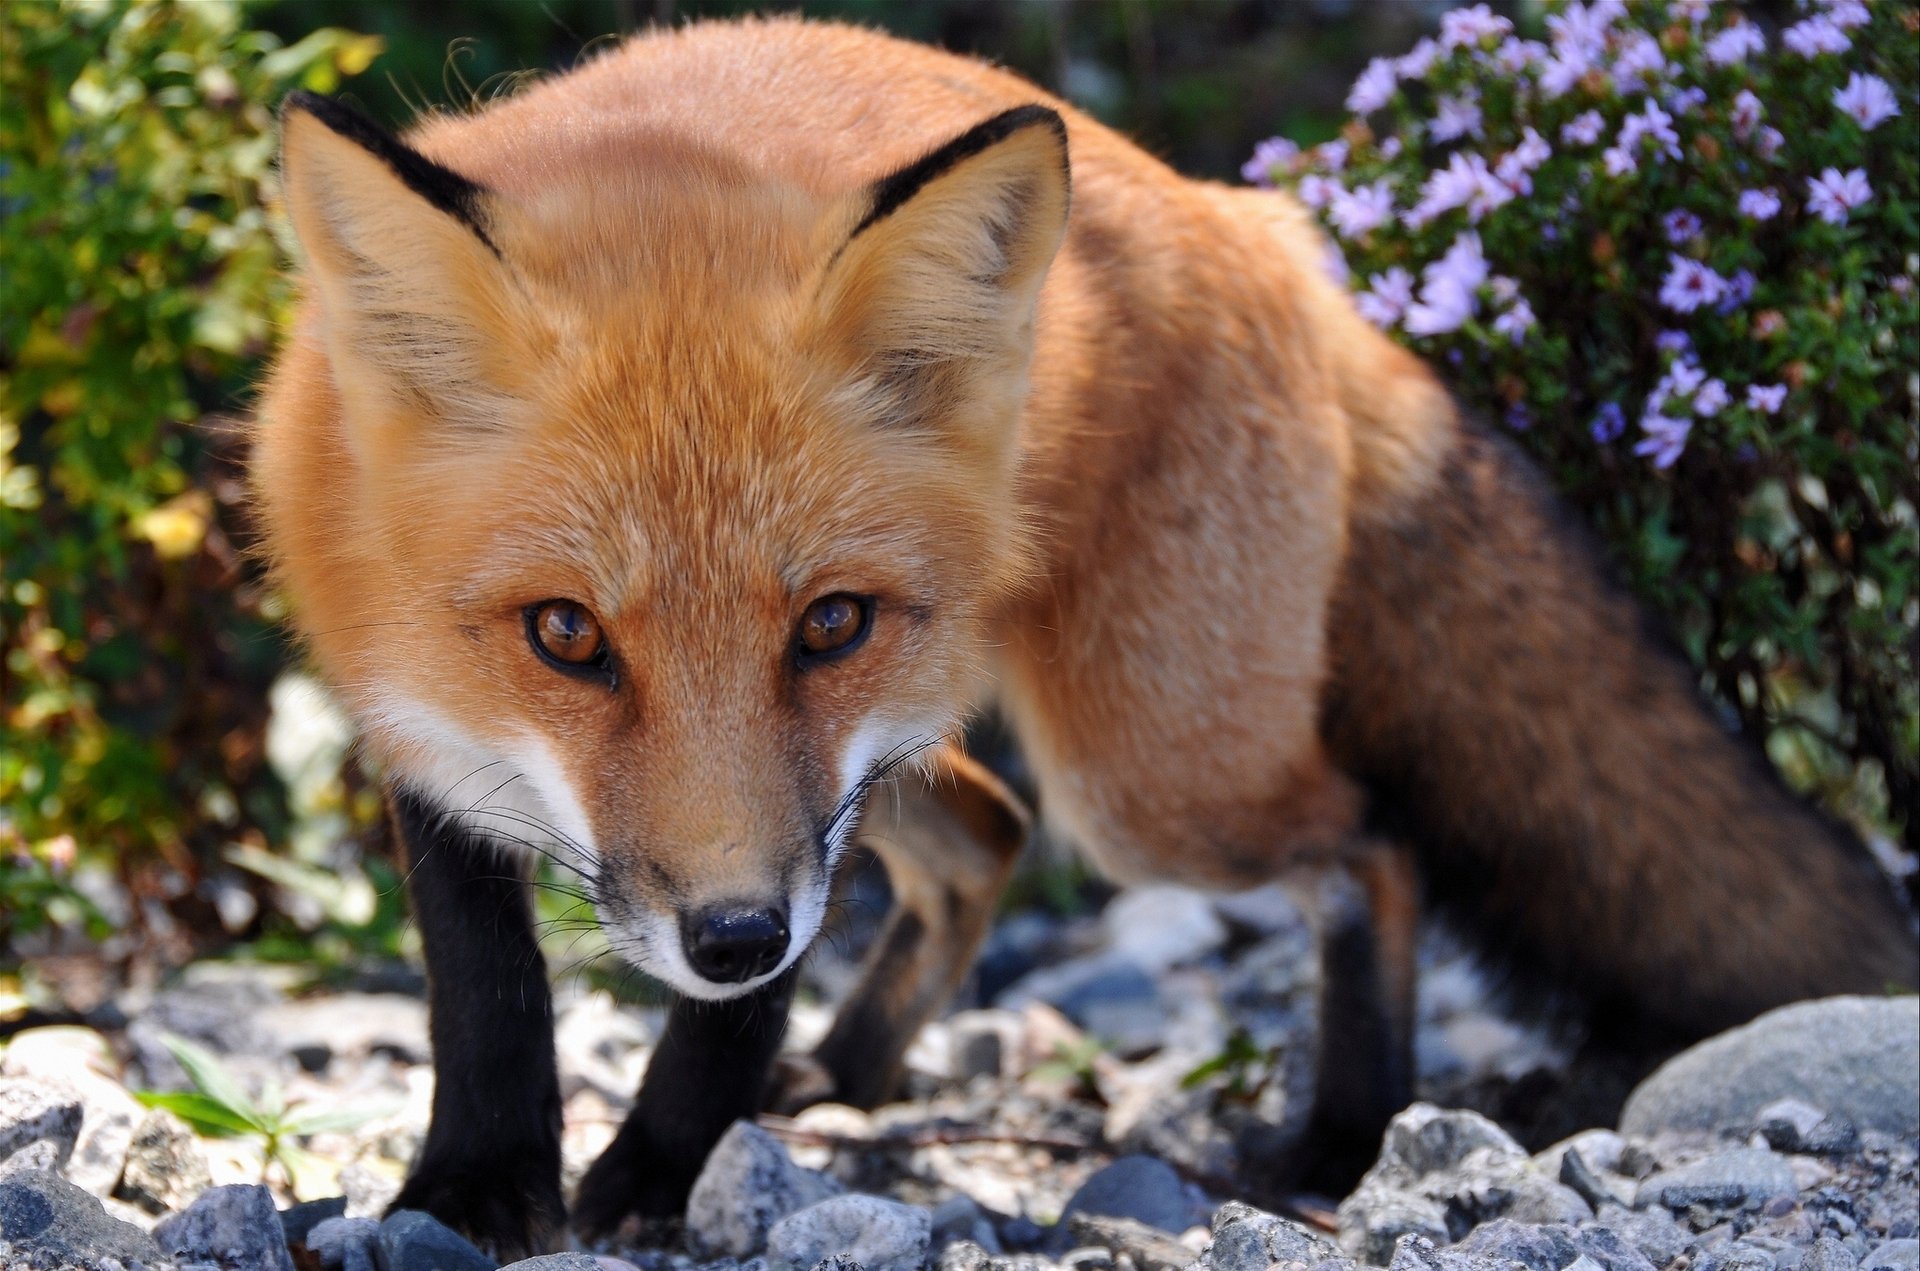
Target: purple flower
x,y
1562,71
1519,418
1619,161
1417,61
1332,155
1816,35
1739,291
1461,28
1390,148
1847,14
1532,151
1638,61
1447,188
1689,284
1583,130
1374,88
1681,379
1317,191
1766,398
1334,266
1359,212
1681,225
1456,116
1665,438
1516,321
1759,205
1735,44
1584,27
1832,194
1769,142
1448,287
1710,399
1867,100
1272,153
1387,298
1687,100
1650,123
1673,342
1608,423
1747,112
1516,55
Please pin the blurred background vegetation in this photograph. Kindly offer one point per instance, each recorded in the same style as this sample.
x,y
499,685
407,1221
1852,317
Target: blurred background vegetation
x,y
166,784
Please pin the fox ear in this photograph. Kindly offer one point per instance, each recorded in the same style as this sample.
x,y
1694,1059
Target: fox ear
x,y
933,296
419,306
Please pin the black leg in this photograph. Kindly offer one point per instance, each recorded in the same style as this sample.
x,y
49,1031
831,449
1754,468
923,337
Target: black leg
x,y
709,1071
491,1164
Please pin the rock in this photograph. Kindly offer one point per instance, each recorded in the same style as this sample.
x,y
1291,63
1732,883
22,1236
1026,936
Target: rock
x,y
1851,1057
1149,1248
1740,1179
1174,1124
1583,1179
879,1234
33,1112
557,1262
164,1168
235,1228
1737,1255
317,1030
959,1217
981,1043
1137,1187
1106,994
1894,1255
412,1241
39,1156
369,1191
47,1223
345,1244
1418,1253
964,1255
1160,926
749,1183
298,1221
1424,1139
1374,1220
1828,1254
1249,1239
1652,1231
1600,1150
1554,1246
109,1119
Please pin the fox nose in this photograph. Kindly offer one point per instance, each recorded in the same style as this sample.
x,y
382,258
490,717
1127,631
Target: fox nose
x,y
729,944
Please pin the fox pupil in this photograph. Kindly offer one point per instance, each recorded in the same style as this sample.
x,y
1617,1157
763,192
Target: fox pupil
x,y
567,632
832,624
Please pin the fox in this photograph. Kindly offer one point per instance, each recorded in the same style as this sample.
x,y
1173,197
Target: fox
x,y
666,461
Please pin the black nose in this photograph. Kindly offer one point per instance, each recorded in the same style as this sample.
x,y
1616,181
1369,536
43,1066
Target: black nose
x,y
729,944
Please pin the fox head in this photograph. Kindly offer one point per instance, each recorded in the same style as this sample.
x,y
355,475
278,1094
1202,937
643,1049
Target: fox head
x,y
644,516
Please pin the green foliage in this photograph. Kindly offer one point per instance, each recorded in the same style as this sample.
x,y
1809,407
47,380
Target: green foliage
x,y
1529,215
219,1106
141,286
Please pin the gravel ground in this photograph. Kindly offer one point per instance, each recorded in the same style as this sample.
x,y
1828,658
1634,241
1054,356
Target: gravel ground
x,y
1086,1111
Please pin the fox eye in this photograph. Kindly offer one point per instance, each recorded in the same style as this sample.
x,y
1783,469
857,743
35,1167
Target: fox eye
x,y
564,632
833,624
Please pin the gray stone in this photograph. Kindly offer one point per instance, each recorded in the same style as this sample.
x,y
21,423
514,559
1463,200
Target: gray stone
x,y
412,1241
1160,926
1894,1255
1149,1248
1554,1246
164,1168
1742,1178
1652,1231
981,1043
1851,1057
879,1234
47,1223
1736,1255
1582,1178
1418,1253
556,1262
108,1121
298,1221
1374,1220
1249,1239
1138,1187
748,1184
964,1255
1828,1254
37,1112
235,1228
348,1025
1424,1139
345,1244
1175,1124
959,1217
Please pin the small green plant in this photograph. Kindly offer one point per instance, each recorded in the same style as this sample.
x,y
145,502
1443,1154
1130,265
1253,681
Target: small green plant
x,y
220,1107
1072,1064
1245,1068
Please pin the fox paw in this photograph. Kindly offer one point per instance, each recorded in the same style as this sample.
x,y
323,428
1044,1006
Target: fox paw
x,y
508,1215
627,1184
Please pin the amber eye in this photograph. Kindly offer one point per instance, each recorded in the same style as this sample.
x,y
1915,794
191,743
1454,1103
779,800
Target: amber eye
x,y
832,624
565,632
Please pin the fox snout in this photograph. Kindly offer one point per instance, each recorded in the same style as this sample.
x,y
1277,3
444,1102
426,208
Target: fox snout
x,y
735,942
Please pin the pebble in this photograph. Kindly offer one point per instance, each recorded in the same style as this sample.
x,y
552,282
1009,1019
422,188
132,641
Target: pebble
x,y
557,1262
49,1224
1743,1178
412,1241
1249,1239
1851,1057
344,1244
876,1233
1142,1188
235,1228
749,1183
36,1112
1894,1255
164,1167
1553,1246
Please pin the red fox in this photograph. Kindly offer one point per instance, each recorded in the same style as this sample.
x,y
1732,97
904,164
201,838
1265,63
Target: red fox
x,y
666,455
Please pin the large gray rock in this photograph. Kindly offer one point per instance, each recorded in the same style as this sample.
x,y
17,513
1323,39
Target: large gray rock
x,y
48,1224
38,1112
235,1228
79,1064
412,1241
748,1184
1137,1187
1554,1246
1249,1239
1893,1255
1745,1178
165,1168
1852,1057
878,1234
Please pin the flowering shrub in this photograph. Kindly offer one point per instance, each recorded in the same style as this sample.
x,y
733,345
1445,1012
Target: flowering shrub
x,y
1675,253
140,285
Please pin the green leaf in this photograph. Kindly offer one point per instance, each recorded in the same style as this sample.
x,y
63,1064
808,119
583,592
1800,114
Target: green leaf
x,y
306,1119
212,1079
209,1116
